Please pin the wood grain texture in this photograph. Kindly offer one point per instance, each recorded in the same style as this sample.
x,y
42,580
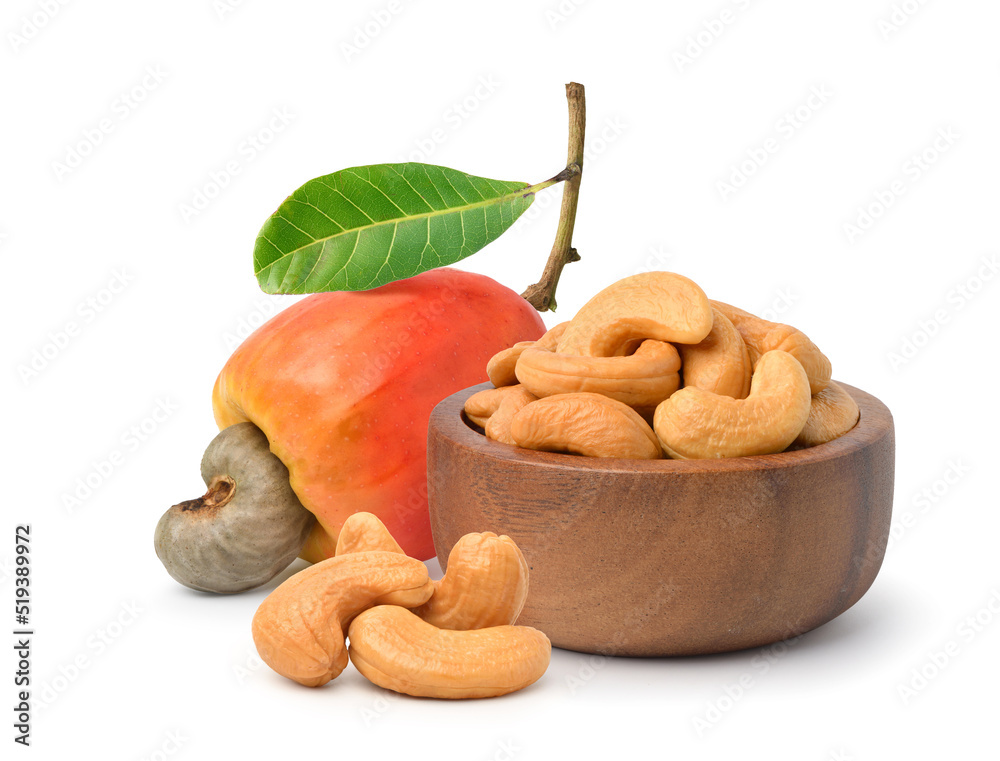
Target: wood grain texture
x,y
669,557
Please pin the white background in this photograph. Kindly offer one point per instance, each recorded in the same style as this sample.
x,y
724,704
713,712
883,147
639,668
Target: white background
x,y
130,665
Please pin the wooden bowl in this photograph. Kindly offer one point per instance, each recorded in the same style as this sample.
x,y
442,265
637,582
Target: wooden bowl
x,y
673,557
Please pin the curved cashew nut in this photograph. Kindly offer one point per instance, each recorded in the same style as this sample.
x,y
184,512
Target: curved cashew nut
x,y
762,336
299,628
832,414
498,426
694,424
482,405
587,424
643,379
364,532
399,651
500,368
551,339
721,363
660,305
486,585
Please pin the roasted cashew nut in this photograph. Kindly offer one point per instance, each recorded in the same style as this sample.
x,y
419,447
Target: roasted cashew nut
x,y
552,338
643,379
720,363
400,651
500,368
486,585
481,406
660,305
364,532
588,424
696,424
498,426
762,336
299,628
833,413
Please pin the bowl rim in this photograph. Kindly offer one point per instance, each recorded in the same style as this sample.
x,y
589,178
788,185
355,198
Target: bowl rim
x,y
875,422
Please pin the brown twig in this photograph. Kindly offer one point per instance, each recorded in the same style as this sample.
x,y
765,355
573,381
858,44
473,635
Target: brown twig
x,y
542,295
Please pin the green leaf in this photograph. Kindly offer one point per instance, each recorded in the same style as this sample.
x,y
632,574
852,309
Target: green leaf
x,y
363,227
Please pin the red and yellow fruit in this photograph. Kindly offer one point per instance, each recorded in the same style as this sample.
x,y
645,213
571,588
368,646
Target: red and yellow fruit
x,y
342,384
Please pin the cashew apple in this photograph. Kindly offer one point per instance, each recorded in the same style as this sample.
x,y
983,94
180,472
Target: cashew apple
x,y
342,384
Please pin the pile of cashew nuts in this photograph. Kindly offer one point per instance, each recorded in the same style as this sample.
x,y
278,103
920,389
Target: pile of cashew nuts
x,y
373,606
650,367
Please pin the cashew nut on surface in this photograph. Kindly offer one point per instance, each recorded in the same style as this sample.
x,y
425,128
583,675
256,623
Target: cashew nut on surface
x,y
364,532
299,628
486,584
398,650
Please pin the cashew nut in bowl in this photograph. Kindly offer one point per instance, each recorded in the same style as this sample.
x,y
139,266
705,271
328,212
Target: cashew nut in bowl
x,y
500,368
832,414
588,424
660,305
299,628
486,584
762,336
399,651
551,338
720,363
479,407
696,424
643,379
498,426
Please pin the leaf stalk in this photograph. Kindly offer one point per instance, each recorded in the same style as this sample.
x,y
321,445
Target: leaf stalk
x,y
542,295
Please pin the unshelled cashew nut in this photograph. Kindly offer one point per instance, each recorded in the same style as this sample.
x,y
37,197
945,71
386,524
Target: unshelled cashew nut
x,y
299,628
586,424
486,584
498,426
642,379
696,424
762,336
399,651
364,532
721,363
660,305
247,527
833,413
